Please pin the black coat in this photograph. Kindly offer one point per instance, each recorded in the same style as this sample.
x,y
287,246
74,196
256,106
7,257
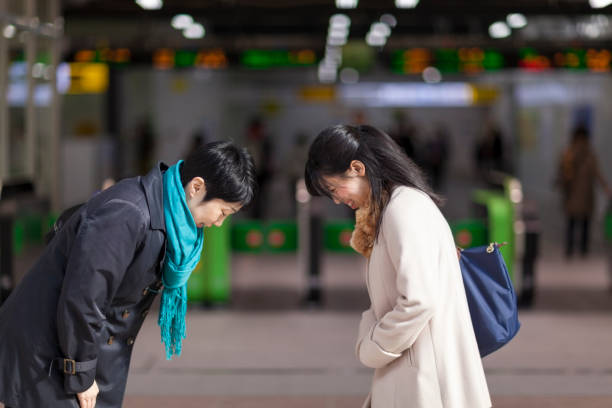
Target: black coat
x,y
85,300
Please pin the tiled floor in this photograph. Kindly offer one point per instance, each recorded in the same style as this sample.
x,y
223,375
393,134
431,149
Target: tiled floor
x,y
265,349
347,402
265,344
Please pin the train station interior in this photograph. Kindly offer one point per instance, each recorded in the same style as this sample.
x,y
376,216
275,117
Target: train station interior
x,y
485,97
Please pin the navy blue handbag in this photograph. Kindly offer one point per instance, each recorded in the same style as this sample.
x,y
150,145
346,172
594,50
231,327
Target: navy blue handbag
x,y
490,297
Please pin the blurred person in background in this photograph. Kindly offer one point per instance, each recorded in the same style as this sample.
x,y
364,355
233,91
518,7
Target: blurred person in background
x,y
578,171
489,152
294,166
404,133
198,140
259,146
68,329
418,333
437,152
145,145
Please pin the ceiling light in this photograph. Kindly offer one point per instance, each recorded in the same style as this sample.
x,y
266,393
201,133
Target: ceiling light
x,y
406,3
336,41
591,30
181,21
499,29
150,4
349,76
432,75
328,63
38,70
194,31
338,32
381,29
333,55
334,59
375,40
600,3
339,20
48,72
389,19
346,4
327,73
9,31
516,20
333,51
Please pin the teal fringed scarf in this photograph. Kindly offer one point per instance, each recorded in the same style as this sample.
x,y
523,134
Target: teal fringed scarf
x,y
183,249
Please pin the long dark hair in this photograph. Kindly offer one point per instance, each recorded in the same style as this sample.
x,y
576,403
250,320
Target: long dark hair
x,y
227,170
386,166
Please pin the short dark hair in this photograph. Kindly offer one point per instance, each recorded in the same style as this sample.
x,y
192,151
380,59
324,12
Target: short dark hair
x,y
387,166
227,170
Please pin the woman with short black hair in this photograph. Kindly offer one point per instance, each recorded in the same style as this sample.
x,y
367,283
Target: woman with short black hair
x,y
417,334
69,326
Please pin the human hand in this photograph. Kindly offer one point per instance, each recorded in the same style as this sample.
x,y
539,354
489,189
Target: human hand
x,y
87,398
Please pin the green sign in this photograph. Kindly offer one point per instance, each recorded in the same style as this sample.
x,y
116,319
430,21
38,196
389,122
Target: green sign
x,y
263,59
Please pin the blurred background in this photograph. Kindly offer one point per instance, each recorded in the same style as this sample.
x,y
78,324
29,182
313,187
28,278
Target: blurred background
x,y
505,105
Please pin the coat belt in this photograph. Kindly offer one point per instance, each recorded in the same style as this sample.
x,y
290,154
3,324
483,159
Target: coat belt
x,y
69,366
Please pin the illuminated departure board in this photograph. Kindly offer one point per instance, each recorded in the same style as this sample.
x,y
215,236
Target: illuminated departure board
x,y
413,61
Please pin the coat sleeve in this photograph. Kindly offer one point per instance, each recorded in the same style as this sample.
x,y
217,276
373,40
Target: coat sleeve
x,y
409,229
368,319
104,247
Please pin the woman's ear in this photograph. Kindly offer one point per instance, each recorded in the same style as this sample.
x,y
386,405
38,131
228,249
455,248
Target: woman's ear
x,y
357,168
196,188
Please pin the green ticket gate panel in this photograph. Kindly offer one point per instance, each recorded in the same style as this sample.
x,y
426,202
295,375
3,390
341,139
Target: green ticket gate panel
x,y
33,228
469,233
500,214
30,229
18,236
247,236
210,280
337,235
281,236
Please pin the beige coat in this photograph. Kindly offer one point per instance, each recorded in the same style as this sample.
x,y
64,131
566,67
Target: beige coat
x,y
417,334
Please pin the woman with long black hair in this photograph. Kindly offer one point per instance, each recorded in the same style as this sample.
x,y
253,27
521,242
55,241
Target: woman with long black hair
x,y
417,334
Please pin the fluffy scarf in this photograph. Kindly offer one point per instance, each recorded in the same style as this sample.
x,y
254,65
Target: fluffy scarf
x,y
364,234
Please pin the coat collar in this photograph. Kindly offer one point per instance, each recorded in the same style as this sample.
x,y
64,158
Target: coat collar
x,y
153,184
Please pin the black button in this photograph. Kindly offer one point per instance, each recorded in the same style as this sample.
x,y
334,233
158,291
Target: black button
x,y
130,341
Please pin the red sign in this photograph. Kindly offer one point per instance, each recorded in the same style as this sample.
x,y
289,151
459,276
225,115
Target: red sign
x,y
254,238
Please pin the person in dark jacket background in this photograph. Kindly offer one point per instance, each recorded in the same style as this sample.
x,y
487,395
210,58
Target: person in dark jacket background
x,y
69,327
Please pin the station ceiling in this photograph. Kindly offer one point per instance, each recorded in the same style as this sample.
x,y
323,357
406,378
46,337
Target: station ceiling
x,y
236,25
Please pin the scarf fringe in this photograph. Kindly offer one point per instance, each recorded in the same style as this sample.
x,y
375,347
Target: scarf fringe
x,y
172,320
